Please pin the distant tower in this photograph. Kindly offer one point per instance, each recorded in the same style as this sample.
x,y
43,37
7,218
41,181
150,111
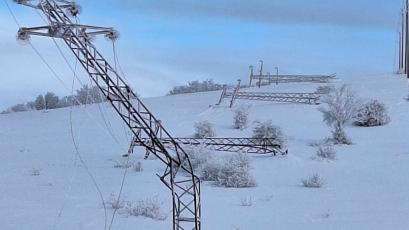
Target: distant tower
x,y
404,41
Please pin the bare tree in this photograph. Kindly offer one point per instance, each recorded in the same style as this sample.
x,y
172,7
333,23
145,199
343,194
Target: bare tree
x,y
341,106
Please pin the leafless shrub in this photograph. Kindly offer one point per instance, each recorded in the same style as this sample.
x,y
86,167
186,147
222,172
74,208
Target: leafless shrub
x,y
114,202
137,167
246,201
373,113
268,130
326,214
35,172
235,172
314,181
204,129
326,153
229,171
123,164
324,89
241,117
341,106
150,208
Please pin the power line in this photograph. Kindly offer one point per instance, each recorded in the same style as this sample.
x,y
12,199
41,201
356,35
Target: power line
x,y
71,126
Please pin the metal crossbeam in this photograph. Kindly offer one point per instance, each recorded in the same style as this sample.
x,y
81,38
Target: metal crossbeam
x,y
178,175
246,145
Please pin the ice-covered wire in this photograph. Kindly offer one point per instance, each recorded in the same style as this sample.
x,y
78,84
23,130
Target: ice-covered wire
x,y
72,136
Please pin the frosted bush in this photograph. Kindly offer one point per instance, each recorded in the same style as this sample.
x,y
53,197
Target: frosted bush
x,y
241,117
235,172
123,164
150,208
204,129
198,155
35,172
114,202
326,153
373,113
210,169
324,89
246,201
314,181
229,171
137,167
339,137
268,130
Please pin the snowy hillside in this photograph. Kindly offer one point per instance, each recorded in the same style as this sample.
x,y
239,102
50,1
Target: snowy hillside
x,y
45,186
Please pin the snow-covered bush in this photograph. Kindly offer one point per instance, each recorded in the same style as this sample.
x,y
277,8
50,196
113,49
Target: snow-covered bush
x,y
35,172
235,172
268,130
124,164
114,202
150,208
229,171
204,129
241,117
326,153
314,181
339,137
246,201
373,113
137,167
341,105
324,89
198,155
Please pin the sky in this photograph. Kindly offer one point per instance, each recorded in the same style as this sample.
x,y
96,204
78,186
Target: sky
x,y
164,43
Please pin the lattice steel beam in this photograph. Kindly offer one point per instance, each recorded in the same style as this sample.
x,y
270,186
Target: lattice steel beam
x,y
303,98
246,145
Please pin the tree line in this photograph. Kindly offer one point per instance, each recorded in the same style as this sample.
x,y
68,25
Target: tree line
x,y
84,95
196,86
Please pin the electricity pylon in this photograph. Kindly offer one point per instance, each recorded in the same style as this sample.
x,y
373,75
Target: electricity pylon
x,y
178,176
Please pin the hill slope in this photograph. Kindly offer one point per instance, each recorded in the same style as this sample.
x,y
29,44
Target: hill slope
x,y
366,188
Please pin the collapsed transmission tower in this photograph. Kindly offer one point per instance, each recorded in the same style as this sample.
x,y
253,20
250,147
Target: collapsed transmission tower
x,y
268,78
302,98
178,175
244,145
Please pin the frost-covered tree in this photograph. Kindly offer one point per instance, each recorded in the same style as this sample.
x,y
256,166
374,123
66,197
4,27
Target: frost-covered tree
x,y
372,113
39,102
241,117
196,86
204,129
51,100
268,130
341,105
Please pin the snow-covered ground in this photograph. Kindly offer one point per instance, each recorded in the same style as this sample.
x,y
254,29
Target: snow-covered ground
x,y
366,188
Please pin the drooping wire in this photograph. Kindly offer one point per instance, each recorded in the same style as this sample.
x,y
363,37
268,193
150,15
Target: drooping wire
x,y
72,136
75,159
127,157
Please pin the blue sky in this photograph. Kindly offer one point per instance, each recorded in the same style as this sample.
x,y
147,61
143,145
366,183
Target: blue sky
x,y
168,42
